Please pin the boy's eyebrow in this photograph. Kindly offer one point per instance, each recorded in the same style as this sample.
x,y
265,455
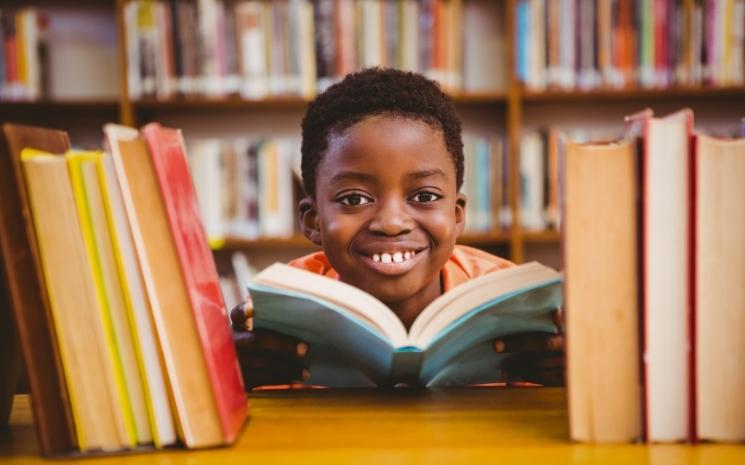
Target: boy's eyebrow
x,y
351,176
357,176
428,173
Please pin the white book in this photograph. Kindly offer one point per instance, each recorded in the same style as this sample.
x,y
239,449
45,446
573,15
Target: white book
x,y
151,368
252,46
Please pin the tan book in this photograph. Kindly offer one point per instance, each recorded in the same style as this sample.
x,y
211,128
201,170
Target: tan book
x,y
191,394
27,293
720,293
601,293
76,317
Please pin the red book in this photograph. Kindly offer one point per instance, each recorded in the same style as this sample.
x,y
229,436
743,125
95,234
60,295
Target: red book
x,y
200,274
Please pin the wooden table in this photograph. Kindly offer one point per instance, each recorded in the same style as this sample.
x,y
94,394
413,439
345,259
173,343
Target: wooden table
x,y
388,427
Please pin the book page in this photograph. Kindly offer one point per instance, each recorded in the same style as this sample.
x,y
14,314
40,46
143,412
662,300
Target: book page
x,y
456,303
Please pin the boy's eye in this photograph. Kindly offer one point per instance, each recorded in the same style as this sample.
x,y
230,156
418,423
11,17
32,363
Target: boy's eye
x,y
425,197
353,200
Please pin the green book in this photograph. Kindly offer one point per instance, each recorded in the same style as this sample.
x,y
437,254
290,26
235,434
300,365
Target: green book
x,y
355,340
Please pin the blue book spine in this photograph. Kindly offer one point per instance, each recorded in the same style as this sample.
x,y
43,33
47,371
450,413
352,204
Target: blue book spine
x,y
523,38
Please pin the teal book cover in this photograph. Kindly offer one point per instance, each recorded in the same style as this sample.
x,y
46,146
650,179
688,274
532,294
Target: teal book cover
x,y
356,341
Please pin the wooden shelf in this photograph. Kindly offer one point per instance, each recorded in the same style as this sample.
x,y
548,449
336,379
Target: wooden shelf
x,y
301,242
83,104
287,102
634,93
549,236
295,242
489,238
219,103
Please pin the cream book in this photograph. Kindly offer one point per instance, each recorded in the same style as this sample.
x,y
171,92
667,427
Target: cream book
x,y
356,340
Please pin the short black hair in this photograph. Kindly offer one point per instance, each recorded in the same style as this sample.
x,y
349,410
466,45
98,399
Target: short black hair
x,y
371,92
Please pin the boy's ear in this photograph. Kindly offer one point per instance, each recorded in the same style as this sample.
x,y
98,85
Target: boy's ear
x,y
309,220
460,211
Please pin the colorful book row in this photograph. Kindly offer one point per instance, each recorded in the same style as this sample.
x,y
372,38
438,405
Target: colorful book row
x,y
589,44
119,285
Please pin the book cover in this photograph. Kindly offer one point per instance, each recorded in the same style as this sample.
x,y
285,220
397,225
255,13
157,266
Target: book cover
x,y
171,169
118,350
75,315
599,225
197,420
719,293
27,291
157,409
356,340
666,272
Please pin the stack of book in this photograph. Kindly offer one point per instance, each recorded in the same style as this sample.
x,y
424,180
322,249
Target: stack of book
x,y
115,294
654,244
247,188
619,43
261,48
485,183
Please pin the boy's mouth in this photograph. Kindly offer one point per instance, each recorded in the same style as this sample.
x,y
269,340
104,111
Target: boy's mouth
x,y
393,262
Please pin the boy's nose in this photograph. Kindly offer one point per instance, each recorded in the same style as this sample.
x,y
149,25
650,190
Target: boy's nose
x,y
391,219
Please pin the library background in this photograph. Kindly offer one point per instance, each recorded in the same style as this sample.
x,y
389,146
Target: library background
x,y
236,76
527,76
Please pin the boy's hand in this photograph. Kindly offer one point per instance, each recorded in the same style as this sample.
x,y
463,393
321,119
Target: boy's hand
x,y
538,358
266,357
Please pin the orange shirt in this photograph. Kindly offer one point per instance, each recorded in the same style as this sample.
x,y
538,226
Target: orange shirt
x,y
465,264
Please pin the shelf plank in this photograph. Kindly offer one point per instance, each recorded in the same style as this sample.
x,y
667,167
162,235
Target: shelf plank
x,y
301,242
547,236
634,93
287,102
81,104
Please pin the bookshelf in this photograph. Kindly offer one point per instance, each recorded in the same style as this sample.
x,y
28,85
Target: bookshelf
x,y
510,109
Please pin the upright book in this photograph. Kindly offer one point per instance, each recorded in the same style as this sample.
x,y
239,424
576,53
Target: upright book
x,y
719,290
190,318
602,295
666,271
79,323
356,340
27,291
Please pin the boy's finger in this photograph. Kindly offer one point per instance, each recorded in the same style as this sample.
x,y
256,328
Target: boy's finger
x,y
271,342
276,342
529,342
238,317
558,317
535,367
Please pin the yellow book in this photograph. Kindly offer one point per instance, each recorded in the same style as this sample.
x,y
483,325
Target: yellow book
x,y
153,415
74,308
121,359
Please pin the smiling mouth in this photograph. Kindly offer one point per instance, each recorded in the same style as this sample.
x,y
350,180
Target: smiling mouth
x,y
394,257
393,262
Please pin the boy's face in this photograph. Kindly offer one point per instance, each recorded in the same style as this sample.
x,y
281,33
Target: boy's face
x,y
386,209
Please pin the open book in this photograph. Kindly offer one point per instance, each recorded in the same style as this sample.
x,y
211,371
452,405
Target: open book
x,y
356,340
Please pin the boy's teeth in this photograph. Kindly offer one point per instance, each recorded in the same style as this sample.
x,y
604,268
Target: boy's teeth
x,y
395,257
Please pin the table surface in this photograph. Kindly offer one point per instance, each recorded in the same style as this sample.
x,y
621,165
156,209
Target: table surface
x,y
385,427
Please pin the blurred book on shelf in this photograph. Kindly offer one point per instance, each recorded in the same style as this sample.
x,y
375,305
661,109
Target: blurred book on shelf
x,y
541,184
259,49
247,189
58,54
590,44
485,181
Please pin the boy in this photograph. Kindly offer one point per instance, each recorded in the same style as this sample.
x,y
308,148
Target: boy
x,y
382,166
